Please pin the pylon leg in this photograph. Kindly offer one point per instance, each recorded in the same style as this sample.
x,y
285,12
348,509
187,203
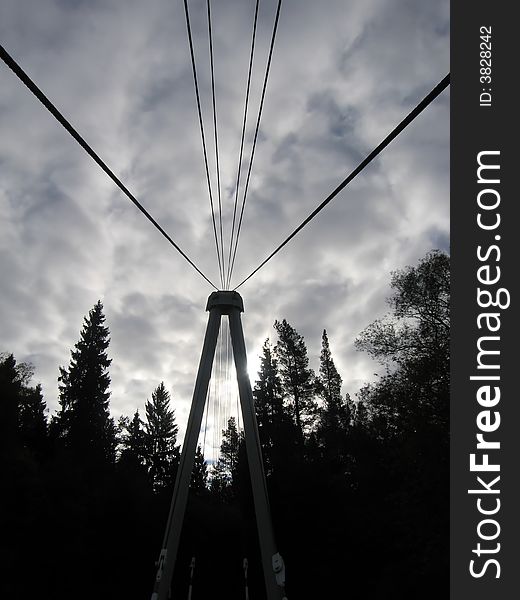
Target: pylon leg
x,y
219,303
182,482
268,550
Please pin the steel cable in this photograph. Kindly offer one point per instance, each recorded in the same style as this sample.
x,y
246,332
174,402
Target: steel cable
x,y
27,81
391,136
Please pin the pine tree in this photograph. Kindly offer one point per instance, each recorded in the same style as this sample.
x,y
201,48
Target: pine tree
x,y
83,421
162,455
297,378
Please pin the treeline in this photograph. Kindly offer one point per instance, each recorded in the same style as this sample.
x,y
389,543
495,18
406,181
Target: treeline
x,y
358,488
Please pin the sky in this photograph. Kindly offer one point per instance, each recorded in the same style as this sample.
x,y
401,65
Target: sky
x,y
343,75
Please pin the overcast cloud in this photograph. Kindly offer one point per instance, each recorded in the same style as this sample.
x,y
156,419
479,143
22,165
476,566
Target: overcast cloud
x,y
343,75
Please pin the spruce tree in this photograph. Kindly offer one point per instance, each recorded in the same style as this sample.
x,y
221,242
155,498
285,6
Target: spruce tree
x,y
275,425
199,476
334,414
329,380
133,438
162,455
297,378
83,421
10,390
224,471
32,420
220,484
267,391
229,448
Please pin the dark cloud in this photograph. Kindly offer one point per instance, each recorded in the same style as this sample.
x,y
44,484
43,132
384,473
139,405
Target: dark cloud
x,y
343,75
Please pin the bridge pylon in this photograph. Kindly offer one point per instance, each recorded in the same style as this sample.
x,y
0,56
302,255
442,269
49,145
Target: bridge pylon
x,y
230,304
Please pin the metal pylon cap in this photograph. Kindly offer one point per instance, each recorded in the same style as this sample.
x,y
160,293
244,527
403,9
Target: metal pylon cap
x,y
225,301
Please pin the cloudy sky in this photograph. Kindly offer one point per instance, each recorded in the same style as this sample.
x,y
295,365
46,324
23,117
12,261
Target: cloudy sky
x,y
343,75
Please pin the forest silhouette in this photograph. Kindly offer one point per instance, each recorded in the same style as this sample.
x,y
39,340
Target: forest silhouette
x,y
358,488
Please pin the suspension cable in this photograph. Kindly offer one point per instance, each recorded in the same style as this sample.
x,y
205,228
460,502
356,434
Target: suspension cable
x,y
246,103
220,403
213,399
234,387
203,137
217,160
225,373
27,81
206,409
391,136
273,37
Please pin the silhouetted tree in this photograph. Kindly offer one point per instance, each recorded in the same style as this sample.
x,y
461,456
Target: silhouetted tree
x,y
267,391
297,378
10,391
33,421
133,438
334,415
224,471
83,421
23,426
220,484
230,446
23,501
275,425
162,455
413,342
199,475
419,324
405,423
